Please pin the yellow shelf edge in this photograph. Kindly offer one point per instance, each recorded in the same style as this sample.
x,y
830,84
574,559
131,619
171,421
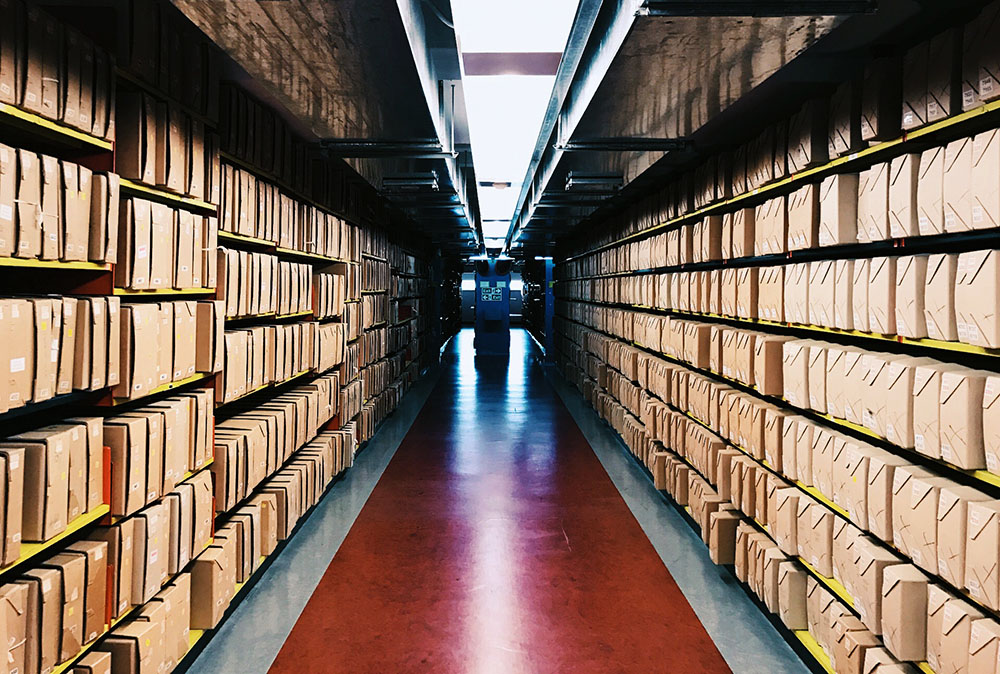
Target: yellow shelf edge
x,y
53,264
125,292
802,176
190,202
232,236
55,127
298,313
815,650
30,550
197,376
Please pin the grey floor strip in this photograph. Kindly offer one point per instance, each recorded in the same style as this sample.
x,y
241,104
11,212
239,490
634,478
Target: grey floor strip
x,y
743,635
250,639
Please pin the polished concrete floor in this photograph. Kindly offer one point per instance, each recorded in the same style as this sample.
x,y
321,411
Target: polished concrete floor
x,y
507,532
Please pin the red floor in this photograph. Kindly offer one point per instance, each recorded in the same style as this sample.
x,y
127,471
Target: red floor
x,y
496,543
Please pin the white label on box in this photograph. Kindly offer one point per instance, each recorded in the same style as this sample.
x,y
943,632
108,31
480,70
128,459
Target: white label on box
x,y
46,585
947,453
918,442
17,365
992,463
6,213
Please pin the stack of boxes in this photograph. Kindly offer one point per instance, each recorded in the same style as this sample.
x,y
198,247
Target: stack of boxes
x,y
849,481
130,298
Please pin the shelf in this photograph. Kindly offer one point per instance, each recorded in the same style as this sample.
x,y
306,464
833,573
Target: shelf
x,y
263,387
156,194
134,81
980,476
54,264
30,551
374,257
196,377
51,130
297,314
163,292
811,645
879,151
374,292
243,238
311,257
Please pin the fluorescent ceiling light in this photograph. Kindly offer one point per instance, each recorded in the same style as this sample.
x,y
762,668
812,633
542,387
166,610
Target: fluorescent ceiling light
x,y
468,284
494,243
505,111
513,25
516,285
495,229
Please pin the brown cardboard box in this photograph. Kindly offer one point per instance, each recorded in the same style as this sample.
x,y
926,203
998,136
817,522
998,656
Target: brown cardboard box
x,y
983,552
838,209
939,297
977,293
67,346
984,190
911,279
213,584
881,295
904,176
210,336
804,217
899,399
747,288
768,363
937,599
904,611
881,96
952,530
822,292
46,357
845,118
962,418
184,334
75,206
46,480
881,474
150,551
95,557
873,204
792,596
140,326
871,562
818,602
8,195
816,377
991,419
957,191
722,536
72,571
104,218
119,539
184,253
51,216
268,515
29,205
134,646
161,246
770,294
134,244
14,598
128,439
860,295
797,293
795,371
984,639
12,488
927,407
44,618
930,191
851,649
741,223
956,626
95,662
136,137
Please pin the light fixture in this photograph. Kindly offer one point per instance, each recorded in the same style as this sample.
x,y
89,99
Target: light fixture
x,y
411,182
593,181
543,257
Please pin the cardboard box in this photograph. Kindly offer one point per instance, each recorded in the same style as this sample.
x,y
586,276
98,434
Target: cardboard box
x,y
140,373
962,443
822,292
881,295
792,596
46,480
843,294
911,280
134,244
95,662
213,584
977,293
881,478
956,634
873,204
838,209
881,96
899,399
982,552
151,549
927,407
127,436
72,570
984,190
104,218
937,598
12,497
914,514
957,186
95,557
860,295
29,208
797,293
930,192
939,297
803,217
952,530
134,646
44,610
742,224
795,371
984,639
871,562
8,194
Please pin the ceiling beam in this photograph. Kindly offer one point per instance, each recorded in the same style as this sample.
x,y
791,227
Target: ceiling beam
x,y
755,8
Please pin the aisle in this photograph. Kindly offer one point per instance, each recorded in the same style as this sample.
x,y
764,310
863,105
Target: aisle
x,y
496,542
